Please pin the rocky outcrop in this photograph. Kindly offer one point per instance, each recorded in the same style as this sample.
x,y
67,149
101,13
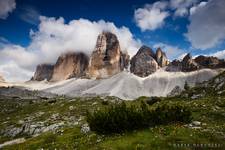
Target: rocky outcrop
x,y
124,60
186,65
161,58
175,91
70,65
174,66
107,58
43,72
143,63
146,62
210,62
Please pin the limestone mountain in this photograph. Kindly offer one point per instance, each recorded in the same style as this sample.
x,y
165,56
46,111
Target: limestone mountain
x,y
189,64
186,65
161,58
107,58
124,60
209,62
43,72
70,65
144,63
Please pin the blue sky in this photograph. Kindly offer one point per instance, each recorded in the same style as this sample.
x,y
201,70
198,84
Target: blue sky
x,y
178,26
121,13
16,29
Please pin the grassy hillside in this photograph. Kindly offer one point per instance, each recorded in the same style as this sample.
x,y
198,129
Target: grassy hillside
x,y
61,122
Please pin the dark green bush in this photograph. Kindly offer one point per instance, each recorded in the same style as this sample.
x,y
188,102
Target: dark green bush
x,y
153,100
105,102
168,113
121,118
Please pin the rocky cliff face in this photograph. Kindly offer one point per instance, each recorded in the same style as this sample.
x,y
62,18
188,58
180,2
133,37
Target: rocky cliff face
x,y
43,72
107,58
70,65
186,65
67,66
144,63
161,58
124,60
209,62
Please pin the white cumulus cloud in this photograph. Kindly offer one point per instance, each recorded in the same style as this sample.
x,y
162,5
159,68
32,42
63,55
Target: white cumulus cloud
x,y
196,7
219,54
151,16
55,37
6,7
207,25
30,15
181,7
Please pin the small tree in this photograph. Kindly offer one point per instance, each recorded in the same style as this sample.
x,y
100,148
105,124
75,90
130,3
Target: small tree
x,y
186,86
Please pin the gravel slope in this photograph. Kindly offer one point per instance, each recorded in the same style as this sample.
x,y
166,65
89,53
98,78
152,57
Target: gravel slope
x,y
125,85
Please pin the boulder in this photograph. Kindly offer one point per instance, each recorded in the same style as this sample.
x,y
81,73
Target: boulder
x,y
70,65
107,58
43,72
143,63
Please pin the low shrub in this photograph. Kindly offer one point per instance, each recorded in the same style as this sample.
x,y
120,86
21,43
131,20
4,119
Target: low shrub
x,y
105,102
153,100
142,98
121,117
167,113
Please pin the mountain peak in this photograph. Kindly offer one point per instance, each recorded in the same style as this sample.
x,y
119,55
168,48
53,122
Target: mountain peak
x,y
107,57
70,65
161,58
147,50
144,63
43,72
187,57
